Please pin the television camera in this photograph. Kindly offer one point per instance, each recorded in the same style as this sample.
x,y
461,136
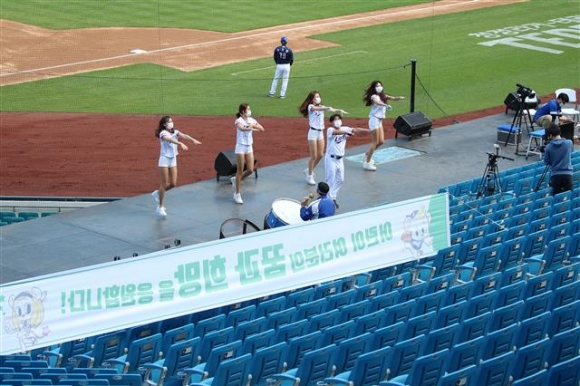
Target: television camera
x,y
525,92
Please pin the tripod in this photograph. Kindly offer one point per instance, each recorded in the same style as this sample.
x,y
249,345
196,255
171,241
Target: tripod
x,y
490,181
542,177
517,122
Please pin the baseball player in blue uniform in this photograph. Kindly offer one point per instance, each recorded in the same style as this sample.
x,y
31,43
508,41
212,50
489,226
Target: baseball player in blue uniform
x,y
284,58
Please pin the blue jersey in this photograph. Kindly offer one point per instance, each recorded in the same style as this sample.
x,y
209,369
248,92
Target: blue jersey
x,y
323,207
550,108
283,55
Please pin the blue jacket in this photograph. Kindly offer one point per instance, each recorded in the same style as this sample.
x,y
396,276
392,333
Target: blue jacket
x,y
551,107
324,207
558,156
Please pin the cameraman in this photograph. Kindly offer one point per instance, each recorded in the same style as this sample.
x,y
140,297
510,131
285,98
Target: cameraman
x,y
558,156
551,111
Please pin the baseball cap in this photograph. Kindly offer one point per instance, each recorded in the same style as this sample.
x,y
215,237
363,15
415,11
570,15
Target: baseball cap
x,y
283,40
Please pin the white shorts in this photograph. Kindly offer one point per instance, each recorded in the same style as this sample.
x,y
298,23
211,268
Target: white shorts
x,y
315,135
243,149
375,123
167,162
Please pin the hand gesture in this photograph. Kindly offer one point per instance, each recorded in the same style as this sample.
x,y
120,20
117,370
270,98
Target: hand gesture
x,y
183,146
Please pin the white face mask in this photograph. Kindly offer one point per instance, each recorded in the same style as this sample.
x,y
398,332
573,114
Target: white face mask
x,y
379,89
337,123
249,113
317,100
169,125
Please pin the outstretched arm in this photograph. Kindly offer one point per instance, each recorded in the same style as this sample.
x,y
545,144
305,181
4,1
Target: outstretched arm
x,y
190,138
168,138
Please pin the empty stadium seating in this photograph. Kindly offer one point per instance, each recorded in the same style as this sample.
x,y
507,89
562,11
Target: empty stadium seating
x,y
500,305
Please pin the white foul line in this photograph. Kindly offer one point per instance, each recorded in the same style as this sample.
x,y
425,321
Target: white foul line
x,y
302,61
321,23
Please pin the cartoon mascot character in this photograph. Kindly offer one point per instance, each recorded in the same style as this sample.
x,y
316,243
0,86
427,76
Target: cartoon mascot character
x,y
416,235
27,315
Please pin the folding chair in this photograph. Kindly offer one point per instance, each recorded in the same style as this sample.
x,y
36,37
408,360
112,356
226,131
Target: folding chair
x,y
564,318
564,346
300,345
465,354
403,355
212,363
531,359
463,376
314,367
180,356
388,335
474,327
496,370
141,351
426,370
533,329
500,341
442,338
349,350
258,341
369,369
565,373
232,372
338,333
268,361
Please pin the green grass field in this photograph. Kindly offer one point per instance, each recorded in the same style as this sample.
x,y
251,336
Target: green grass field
x,y
455,73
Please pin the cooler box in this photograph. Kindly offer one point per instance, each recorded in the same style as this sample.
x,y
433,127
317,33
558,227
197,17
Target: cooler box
x,y
503,131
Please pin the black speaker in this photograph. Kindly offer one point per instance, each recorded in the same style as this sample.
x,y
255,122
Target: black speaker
x,y
225,164
512,101
412,125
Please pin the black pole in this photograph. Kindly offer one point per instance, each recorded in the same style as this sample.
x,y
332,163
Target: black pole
x,y
413,72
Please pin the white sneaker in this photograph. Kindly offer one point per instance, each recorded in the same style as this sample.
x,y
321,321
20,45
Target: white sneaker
x,y
310,180
238,198
155,196
233,181
161,211
369,166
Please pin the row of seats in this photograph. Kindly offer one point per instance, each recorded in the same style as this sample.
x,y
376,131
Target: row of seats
x,y
403,309
508,179
436,358
7,218
447,295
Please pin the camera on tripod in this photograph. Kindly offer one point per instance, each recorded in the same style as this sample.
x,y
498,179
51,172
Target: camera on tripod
x,y
525,92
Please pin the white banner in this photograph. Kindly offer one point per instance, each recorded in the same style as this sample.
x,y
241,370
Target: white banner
x,y
93,300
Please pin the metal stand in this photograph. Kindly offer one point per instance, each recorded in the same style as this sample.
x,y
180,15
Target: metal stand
x,y
490,183
517,122
542,177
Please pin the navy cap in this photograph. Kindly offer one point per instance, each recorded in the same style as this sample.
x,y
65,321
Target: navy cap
x,y
283,40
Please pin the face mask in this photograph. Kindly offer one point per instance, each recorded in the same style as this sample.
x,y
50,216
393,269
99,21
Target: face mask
x,y
317,100
169,125
337,123
379,89
249,113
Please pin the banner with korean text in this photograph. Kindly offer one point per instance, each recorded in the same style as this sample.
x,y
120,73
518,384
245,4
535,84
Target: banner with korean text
x,y
94,300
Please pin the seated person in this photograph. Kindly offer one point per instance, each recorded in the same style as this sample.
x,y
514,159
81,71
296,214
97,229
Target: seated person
x,y
552,112
319,208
